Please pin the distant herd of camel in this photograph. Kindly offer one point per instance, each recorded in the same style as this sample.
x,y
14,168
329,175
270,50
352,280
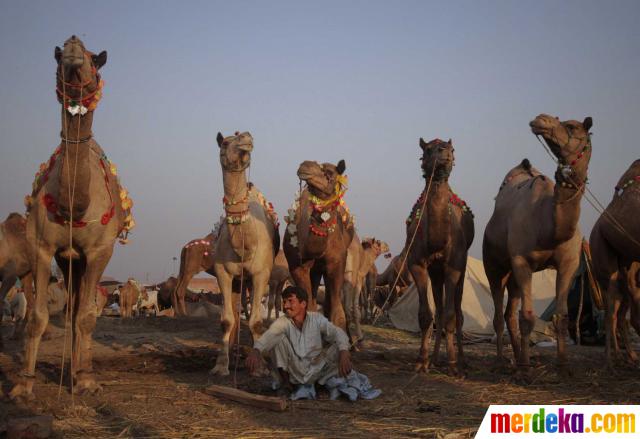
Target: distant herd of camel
x,y
78,209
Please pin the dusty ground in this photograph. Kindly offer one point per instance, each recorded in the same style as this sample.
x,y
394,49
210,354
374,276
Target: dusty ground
x,y
154,369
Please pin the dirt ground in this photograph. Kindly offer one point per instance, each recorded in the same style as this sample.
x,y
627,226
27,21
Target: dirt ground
x,y
153,371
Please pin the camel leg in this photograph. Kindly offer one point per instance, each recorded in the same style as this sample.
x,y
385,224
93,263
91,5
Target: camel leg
x,y
84,318
227,320
453,278
357,316
300,275
334,280
8,282
514,295
623,327
460,318
425,316
260,282
272,298
497,283
613,303
278,300
348,302
190,265
564,279
36,323
437,286
522,274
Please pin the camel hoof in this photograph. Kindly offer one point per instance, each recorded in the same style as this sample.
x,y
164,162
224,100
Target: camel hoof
x,y
455,371
421,367
220,370
20,393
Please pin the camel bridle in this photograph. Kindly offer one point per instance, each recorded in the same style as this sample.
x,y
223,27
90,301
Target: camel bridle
x,y
566,172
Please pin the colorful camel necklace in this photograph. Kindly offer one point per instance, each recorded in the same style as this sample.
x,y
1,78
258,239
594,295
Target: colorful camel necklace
x,y
621,189
454,200
241,217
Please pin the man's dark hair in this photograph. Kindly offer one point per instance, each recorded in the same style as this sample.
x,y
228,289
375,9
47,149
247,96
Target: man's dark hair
x,y
292,290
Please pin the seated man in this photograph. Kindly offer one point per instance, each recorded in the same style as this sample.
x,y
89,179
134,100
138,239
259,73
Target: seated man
x,y
307,349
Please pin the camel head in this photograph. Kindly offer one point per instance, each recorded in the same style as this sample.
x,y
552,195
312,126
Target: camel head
x,y
78,80
437,158
235,151
378,246
323,180
569,141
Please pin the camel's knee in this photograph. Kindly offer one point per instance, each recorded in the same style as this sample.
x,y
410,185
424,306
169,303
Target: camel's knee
x,y
527,321
449,320
87,322
256,327
37,323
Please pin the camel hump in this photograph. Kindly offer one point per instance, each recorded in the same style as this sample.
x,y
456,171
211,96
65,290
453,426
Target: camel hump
x,y
15,224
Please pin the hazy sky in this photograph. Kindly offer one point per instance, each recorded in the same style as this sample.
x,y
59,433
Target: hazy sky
x,y
360,81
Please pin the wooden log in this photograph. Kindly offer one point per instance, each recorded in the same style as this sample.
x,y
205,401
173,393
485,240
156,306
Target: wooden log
x,y
265,402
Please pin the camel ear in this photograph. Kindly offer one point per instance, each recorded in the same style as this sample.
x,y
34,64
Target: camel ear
x,y
422,144
57,53
220,139
341,167
587,123
449,142
100,59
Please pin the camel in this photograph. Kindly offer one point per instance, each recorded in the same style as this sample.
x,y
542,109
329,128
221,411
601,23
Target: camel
x,y
280,276
535,226
319,232
196,256
615,248
441,228
247,243
361,256
379,285
76,199
130,293
166,292
14,264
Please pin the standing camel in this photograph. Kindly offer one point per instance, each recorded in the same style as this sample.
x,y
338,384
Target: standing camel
x,y
14,264
247,242
361,256
76,211
129,295
318,235
196,256
615,250
443,228
535,226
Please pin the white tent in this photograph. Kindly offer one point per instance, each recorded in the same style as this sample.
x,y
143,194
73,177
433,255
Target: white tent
x,y
477,303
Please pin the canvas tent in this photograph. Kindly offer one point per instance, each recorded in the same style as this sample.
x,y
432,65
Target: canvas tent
x,y
477,304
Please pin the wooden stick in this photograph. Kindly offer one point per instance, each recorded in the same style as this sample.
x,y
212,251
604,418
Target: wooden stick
x,y
266,402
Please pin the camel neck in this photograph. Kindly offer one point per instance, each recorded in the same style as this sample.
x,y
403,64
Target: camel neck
x,y
75,128
75,180
566,201
235,190
566,212
437,217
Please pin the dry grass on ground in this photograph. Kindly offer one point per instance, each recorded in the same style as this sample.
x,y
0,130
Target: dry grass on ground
x,y
154,369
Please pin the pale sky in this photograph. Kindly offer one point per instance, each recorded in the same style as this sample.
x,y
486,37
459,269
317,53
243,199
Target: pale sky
x,y
354,80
